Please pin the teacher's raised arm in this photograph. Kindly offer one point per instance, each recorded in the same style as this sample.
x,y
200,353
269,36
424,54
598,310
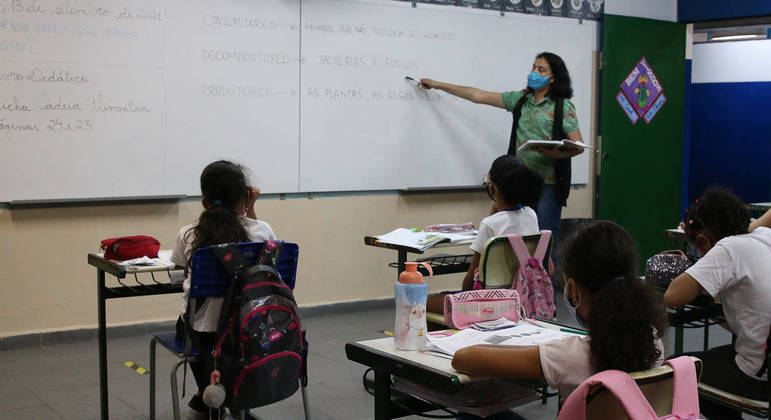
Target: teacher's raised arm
x,y
541,111
469,93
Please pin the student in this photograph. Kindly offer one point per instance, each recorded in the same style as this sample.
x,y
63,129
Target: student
x,y
735,267
228,217
625,319
514,189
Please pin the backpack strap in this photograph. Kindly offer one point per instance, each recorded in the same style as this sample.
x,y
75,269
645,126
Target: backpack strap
x,y
520,249
543,245
685,393
623,388
230,257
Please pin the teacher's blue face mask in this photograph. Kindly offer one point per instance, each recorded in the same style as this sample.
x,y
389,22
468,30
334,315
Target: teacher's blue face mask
x,y
536,81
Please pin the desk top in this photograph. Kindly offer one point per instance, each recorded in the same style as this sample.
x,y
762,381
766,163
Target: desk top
x,y
676,234
113,266
373,241
418,366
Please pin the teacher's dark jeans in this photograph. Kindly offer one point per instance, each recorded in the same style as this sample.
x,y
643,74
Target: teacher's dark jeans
x,y
549,213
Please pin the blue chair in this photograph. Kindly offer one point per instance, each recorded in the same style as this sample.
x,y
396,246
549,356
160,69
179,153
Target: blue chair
x,y
209,279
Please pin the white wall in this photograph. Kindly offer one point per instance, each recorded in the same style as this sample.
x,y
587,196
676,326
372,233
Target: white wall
x,y
46,284
651,9
732,62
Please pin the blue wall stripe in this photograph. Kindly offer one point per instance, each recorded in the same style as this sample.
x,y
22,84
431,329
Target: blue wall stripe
x,y
730,142
701,10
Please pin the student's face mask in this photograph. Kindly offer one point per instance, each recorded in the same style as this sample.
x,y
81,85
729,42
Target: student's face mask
x,y
536,81
571,308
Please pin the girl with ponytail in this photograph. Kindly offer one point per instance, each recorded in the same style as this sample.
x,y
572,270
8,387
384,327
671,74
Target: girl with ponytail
x,y
228,217
625,320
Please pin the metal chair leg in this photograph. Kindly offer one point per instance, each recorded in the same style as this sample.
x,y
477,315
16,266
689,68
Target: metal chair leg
x,y
174,389
153,343
306,404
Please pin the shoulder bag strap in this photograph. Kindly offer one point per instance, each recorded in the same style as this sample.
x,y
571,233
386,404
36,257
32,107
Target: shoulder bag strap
x,y
562,167
515,114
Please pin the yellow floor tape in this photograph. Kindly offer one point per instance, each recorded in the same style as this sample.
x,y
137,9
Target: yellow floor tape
x,y
140,370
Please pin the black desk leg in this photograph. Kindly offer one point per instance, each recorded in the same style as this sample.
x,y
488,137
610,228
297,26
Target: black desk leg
x,y
706,333
382,395
102,345
678,333
402,258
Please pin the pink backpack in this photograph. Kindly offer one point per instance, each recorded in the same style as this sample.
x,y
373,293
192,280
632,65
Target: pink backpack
x,y
533,283
466,308
685,395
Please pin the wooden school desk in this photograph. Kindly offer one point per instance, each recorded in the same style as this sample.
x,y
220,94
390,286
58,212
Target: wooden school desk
x,y
423,369
443,264
127,283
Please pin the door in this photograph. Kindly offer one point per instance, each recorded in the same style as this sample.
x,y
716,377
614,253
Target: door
x,y
641,123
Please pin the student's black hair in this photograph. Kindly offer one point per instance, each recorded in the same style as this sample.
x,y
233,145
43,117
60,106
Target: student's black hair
x,y
719,212
561,87
225,188
625,314
516,182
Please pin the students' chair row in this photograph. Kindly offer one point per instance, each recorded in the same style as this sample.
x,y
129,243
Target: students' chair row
x,y
656,385
498,266
739,403
209,279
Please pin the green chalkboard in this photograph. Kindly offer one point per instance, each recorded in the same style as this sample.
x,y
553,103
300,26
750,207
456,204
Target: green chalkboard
x,y
641,163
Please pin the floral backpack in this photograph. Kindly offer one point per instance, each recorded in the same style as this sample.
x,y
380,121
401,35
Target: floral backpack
x,y
532,281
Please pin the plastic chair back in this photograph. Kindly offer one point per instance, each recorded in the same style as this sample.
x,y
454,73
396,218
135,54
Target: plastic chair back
x,y
498,264
655,385
209,279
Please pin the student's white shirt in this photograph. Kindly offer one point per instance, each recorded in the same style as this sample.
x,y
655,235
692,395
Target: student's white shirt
x,y
737,270
206,317
567,362
522,221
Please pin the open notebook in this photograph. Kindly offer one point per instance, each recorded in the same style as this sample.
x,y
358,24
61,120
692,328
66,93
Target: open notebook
x,y
422,240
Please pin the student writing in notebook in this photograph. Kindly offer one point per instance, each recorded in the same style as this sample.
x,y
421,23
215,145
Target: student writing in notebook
x,y
736,268
624,318
514,189
228,217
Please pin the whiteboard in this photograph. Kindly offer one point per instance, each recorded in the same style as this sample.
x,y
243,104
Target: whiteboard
x,y
133,99
363,125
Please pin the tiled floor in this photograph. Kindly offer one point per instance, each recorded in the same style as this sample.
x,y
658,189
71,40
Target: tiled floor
x,y
61,381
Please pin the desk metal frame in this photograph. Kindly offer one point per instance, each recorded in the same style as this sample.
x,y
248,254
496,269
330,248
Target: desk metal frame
x,y
440,265
124,290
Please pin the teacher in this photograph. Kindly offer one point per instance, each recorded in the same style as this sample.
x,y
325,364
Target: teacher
x,y
542,111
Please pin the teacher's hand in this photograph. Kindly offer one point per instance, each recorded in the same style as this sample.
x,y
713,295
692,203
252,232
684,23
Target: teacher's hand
x,y
428,84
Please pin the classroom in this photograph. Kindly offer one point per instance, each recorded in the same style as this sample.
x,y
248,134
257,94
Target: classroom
x,y
354,118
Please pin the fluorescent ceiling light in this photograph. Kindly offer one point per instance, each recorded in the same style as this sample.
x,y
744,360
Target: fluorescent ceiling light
x,y
735,37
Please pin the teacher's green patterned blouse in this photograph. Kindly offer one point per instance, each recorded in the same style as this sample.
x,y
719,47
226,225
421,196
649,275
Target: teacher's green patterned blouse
x,y
536,124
